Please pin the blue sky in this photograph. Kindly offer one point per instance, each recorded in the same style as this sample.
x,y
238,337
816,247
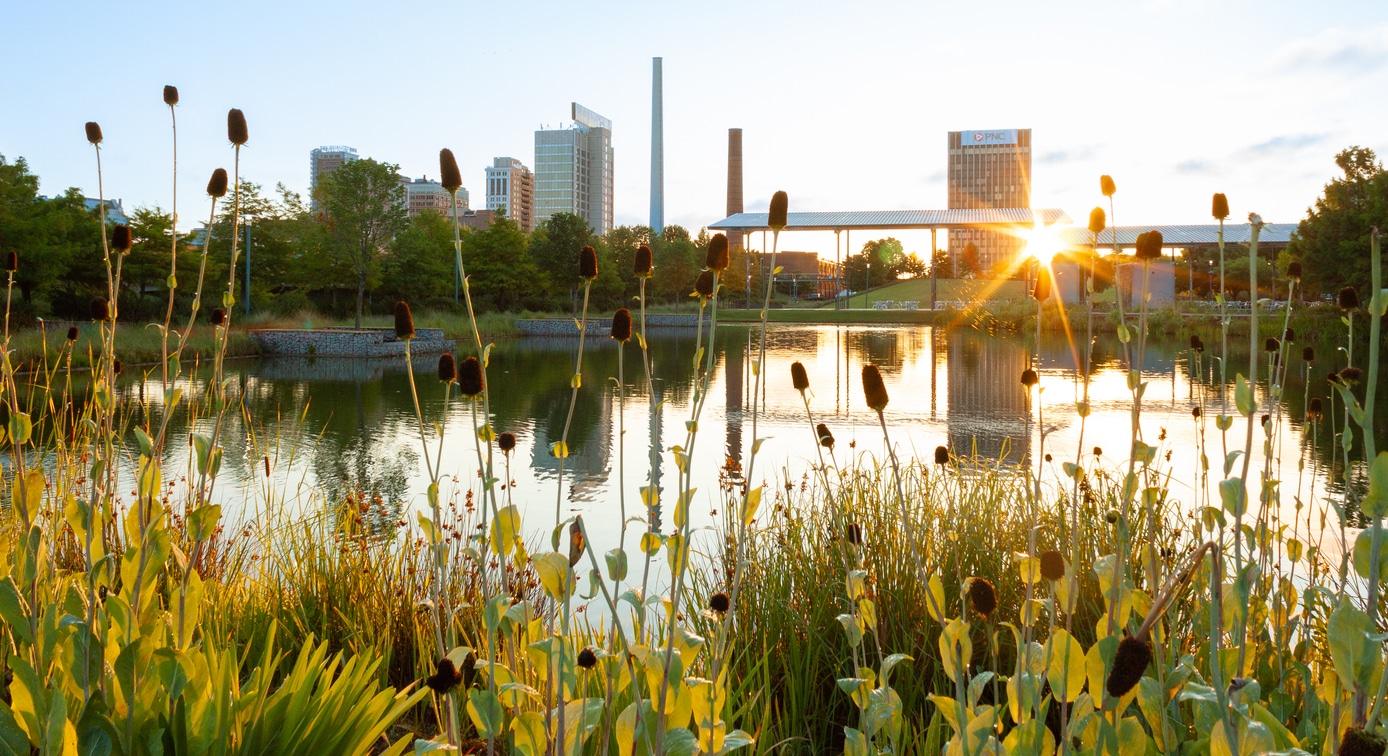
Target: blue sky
x,y
843,105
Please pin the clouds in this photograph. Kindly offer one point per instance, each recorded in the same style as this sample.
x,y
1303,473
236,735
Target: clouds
x,y
1335,50
1282,144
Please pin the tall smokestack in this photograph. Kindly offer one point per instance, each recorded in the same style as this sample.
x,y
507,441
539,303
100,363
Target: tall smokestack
x,y
657,149
735,179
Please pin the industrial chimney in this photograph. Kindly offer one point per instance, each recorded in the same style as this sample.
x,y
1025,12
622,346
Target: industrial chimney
x,y
657,149
734,180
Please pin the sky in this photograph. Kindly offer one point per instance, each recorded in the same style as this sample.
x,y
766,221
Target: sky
x,y
845,106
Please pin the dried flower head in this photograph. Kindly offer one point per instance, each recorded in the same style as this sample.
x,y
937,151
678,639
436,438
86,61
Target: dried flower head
x,y
982,597
642,264
1358,741
717,257
719,602
506,442
1098,451
217,185
1315,407
1197,343
1041,291
873,388
218,316
1289,334
446,677
1271,344
1219,206
100,309
170,95
236,127
1294,270
1052,565
1352,375
72,333
1111,517
450,178
470,381
448,367
1195,412
121,239
93,132
826,439
703,285
1129,664
1098,220
1348,298
1149,245
621,325
776,215
11,261
117,367
799,379
854,533
587,659
942,455
1333,378
1106,186
404,321
1308,353
1030,378
587,263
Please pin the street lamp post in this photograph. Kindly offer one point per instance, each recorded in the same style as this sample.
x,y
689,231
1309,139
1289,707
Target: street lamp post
x,y
247,292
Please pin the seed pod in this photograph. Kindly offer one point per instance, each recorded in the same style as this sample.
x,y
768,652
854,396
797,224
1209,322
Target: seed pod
x,y
1030,378
776,215
1316,406
121,240
1098,451
1352,375
446,677
236,127
170,95
1294,270
1289,334
982,597
93,132
100,309
719,602
826,439
219,316
217,185
1048,456
1333,378
1265,420
942,455
1098,221
717,256
587,263
798,378
1111,517
1106,186
1129,663
1308,353
1271,345
117,366
1197,343
1348,298
1052,565
506,442
1149,245
1195,412
1219,207
404,321
621,325
1360,742
470,381
11,261
448,367
266,458
873,389
642,264
703,285
450,177
587,659
854,533
72,333
1041,290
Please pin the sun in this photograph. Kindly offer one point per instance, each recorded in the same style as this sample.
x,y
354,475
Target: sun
x,y
1043,242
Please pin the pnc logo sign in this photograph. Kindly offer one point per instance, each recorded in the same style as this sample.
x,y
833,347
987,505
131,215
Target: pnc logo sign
x,y
1001,136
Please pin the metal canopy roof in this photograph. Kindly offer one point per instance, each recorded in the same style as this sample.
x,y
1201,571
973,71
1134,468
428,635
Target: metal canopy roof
x,y
880,220
1200,235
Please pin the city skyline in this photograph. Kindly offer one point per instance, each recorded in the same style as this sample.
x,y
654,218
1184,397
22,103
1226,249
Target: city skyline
x,y
1175,99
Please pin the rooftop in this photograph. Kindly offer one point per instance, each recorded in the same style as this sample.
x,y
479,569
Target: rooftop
x,y
881,220
1188,236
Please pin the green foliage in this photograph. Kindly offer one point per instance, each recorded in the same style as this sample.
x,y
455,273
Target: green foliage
x,y
1333,240
501,275
364,206
419,266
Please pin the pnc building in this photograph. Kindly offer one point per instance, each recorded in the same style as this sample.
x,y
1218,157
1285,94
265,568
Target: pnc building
x,y
573,170
988,169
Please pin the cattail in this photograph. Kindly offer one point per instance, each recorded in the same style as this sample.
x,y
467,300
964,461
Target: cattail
x,y
1294,270
1289,334
1219,207
982,597
719,602
236,127
121,240
1308,353
826,439
854,533
449,175
1129,663
1052,565
1030,378
1271,344
266,459
776,215
1316,406
470,382
170,95
1358,741
1106,186
217,185
873,389
1098,221
1149,245
93,132
587,659
404,321
643,262
1041,291
621,325
72,333
703,285
446,677
1352,375
1348,298
506,442
117,366
1195,412
587,263
798,378
448,367
219,316
101,310
717,256
942,455
11,261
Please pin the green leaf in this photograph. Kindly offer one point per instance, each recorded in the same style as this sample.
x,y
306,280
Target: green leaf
x,y
616,564
1363,549
203,521
146,445
1233,496
1375,503
1243,395
1123,334
20,428
1352,649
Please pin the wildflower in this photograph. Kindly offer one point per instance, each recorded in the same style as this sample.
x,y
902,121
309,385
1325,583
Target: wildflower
x,y
170,95
717,256
798,378
1219,207
703,285
506,442
643,262
72,333
217,185
470,382
1052,565
587,263
776,214
448,367
621,325
1294,270
404,321
982,597
1097,221
941,455
587,659
100,309
1352,375
1360,742
1308,354
236,127
1271,345
446,677
1149,245
1348,298
219,316
719,602
826,439
855,533
450,178
1041,291
1030,378
121,240
1107,186
1129,663
873,388
93,132
12,261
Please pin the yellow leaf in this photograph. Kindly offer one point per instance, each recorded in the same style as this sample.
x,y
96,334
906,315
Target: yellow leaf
x,y
1065,666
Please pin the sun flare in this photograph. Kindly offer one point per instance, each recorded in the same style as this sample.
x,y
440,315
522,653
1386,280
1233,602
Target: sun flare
x,y
1043,242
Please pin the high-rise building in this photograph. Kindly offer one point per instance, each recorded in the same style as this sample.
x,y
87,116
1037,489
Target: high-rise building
x,y
425,194
325,160
988,169
573,170
511,187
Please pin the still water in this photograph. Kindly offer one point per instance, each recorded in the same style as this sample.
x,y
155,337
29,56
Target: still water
x,y
331,425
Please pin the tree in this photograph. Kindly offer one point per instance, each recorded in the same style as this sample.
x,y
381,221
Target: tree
x,y
364,205
501,276
1332,242
419,267
889,263
58,242
554,250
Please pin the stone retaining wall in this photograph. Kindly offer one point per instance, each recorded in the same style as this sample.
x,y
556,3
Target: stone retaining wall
x,y
600,326
348,342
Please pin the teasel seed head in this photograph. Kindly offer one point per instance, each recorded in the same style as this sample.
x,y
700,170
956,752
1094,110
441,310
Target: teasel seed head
x,y
446,677
1360,742
1308,353
236,127
621,325
587,263
1048,456
1030,378
1333,378
217,185
1271,344
874,389
587,659
1197,343
717,257
448,367
1294,270
93,132
1289,334
170,95
982,597
703,285
1348,298
942,455
1052,565
1352,375
1111,517
72,333
1195,412
1219,206
12,261
642,264
1098,220
1265,421
798,377
1106,186
826,439
506,442
470,381
100,309
1315,408
121,240
854,533
1041,291
218,316
1129,664
719,602
450,178
117,367
1149,245
404,321
1098,451
776,215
